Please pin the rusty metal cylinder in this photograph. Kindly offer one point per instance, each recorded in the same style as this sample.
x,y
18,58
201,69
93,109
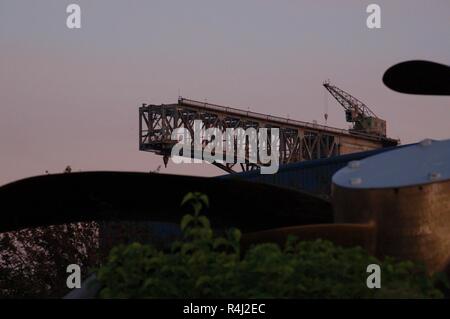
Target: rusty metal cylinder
x,y
405,193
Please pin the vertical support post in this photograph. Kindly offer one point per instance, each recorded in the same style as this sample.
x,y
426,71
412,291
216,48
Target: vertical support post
x,y
140,128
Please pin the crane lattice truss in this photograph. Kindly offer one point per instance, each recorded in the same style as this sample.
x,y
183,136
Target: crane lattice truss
x,y
363,119
299,140
348,101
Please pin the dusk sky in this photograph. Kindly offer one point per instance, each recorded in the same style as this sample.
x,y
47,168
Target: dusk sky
x,y
71,97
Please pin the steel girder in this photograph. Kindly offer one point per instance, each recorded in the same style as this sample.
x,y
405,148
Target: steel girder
x,y
157,122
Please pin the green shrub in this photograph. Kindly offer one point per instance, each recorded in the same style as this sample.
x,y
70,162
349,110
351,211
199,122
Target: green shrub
x,y
206,266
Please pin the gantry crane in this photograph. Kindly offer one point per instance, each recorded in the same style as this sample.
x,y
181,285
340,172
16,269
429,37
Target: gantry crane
x,y
356,112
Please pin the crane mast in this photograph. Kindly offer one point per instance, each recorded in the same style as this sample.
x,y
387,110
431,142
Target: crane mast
x,y
356,112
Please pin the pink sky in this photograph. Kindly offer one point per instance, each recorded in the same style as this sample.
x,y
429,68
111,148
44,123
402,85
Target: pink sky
x,y
70,97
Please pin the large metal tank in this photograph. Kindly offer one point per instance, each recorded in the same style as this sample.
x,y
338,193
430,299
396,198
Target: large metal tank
x,y
405,194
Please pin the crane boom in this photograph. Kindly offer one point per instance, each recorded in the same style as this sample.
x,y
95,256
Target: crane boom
x,y
347,100
357,112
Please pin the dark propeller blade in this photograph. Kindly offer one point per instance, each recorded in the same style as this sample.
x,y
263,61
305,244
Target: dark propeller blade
x,y
64,198
419,77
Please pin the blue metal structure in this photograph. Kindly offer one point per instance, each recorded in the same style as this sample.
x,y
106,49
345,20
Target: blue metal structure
x,y
311,176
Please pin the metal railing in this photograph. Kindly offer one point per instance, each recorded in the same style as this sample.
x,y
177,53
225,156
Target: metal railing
x,y
270,118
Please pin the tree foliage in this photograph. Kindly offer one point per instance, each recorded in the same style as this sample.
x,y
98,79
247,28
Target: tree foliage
x,y
203,265
33,261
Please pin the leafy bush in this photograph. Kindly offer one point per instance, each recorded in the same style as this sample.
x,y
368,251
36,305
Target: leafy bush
x,y
206,266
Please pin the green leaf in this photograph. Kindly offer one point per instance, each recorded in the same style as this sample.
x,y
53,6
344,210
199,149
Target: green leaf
x,y
185,221
204,221
204,198
218,242
187,198
235,235
197,207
